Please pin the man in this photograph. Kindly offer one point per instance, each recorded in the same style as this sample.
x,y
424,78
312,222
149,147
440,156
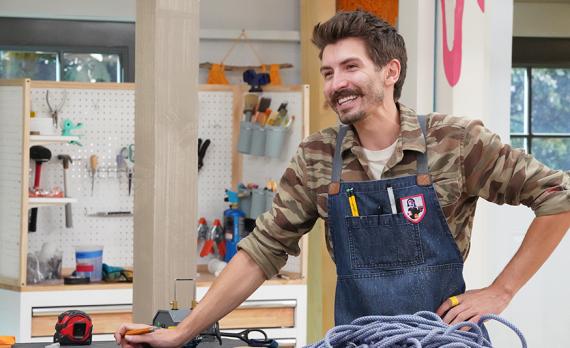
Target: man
x,y
413,211
361,176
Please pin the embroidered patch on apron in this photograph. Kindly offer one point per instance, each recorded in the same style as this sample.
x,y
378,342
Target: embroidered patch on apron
x,y
413,208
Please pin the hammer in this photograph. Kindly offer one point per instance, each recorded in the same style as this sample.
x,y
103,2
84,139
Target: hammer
x,y
40,155
66,159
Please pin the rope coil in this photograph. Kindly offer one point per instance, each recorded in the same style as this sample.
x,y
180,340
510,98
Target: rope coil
x,y
421,330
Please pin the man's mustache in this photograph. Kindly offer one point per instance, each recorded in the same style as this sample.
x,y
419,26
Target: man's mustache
x,y
345,92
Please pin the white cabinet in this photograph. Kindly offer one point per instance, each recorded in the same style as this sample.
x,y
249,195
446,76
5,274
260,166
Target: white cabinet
x,y
279,307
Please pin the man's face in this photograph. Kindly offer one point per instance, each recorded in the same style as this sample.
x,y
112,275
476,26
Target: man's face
x,y
354,86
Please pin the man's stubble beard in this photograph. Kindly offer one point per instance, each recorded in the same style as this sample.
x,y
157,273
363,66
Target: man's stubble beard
x,y
377,97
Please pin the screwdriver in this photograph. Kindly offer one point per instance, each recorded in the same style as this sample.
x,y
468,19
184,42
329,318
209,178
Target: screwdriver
x,y
93,164
130,176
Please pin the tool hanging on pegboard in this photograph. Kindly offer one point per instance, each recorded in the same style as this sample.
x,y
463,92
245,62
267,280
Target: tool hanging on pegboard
x,y
202,148
66,160
40,155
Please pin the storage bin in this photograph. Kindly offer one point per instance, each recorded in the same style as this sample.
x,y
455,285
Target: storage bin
x,y
274,140
245,202
257,141
89,261
244,141
269,195
257,203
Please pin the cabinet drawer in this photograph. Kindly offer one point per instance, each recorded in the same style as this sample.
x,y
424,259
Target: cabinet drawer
x,y
261,314
106,319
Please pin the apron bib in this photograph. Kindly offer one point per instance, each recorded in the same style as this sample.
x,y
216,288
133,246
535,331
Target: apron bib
x,y
396,254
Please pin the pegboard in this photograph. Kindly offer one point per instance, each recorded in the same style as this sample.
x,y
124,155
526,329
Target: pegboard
x,y
11,143
108,125
215,123
107,116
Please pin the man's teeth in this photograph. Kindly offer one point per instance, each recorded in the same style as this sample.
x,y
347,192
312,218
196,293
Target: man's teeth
x,y
346,99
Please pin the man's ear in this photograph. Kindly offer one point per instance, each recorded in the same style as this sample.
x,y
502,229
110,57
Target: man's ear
x,y
392,72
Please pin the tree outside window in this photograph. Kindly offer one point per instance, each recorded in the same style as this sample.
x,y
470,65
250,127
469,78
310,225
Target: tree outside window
x,y
540,113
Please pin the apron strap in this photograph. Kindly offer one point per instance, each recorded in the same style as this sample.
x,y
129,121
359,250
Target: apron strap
x,y
334,186
423,177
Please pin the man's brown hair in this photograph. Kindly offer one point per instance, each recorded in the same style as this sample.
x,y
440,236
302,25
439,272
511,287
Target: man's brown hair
x,y
382,41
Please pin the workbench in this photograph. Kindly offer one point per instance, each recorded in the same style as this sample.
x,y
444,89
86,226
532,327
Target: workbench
x,y
226,343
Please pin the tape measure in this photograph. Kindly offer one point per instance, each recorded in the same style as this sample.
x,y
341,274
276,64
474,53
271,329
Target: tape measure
x,y
73,328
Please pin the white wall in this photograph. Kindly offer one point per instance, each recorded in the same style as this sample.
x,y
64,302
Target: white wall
x,y
541,19
102,10
484,92
271,19
416,25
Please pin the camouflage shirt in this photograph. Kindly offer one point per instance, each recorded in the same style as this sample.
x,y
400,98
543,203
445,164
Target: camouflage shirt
x,y
465,160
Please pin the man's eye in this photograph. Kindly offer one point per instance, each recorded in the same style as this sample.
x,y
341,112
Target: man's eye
x,y
351,67
327,75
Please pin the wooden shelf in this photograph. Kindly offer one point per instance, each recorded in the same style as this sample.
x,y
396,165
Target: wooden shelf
x,y
59,286
35,202
205,278
51,139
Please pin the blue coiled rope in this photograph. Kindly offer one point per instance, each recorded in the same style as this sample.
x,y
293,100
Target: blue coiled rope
x,y
420,330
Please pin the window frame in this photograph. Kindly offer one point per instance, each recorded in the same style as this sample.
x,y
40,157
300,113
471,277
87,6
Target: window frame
x,y
538,53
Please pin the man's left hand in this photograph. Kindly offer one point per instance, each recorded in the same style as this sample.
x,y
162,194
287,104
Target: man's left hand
x,y
473,304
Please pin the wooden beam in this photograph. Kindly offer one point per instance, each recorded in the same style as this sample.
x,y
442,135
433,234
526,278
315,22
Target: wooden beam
x,y
321,283
166,132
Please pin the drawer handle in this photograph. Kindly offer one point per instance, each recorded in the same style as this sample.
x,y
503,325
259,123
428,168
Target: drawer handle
x,y
55,311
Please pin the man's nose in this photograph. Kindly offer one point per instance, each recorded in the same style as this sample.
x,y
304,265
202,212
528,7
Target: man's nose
x,y
339,82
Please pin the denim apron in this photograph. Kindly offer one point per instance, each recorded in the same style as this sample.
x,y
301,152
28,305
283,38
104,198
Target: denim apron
x,y
398,255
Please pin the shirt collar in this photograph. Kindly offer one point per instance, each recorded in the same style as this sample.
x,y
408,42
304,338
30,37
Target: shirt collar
x,y
410,138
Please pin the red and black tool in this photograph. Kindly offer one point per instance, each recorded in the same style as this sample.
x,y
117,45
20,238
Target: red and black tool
x,y
39,154
215,242
73,328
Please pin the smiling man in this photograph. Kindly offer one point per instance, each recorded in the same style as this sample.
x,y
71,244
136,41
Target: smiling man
x,y
365,176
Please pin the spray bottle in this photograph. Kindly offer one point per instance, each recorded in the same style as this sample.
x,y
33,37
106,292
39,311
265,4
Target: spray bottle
x,y
233,224
202,233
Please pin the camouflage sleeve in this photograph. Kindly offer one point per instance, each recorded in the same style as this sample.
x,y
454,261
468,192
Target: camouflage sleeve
x,y
501,174
293,213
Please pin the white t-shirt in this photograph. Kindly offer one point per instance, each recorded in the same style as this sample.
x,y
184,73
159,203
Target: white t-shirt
x,y
377,160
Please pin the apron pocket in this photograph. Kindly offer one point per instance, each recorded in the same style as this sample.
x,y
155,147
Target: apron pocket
x,y
383,242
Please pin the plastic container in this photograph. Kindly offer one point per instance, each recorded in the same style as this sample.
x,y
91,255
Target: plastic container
x,y
257,141
274,140
216,266
269,195
245,202
89,261
245,132
258,203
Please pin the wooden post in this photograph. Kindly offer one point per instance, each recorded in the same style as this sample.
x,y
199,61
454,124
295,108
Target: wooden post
x,y
322,279
166,109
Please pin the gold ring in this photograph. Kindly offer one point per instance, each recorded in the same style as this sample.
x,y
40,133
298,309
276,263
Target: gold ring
x,y
454,301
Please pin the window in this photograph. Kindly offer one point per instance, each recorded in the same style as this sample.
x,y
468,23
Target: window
x,y
66,50
540,109
60,66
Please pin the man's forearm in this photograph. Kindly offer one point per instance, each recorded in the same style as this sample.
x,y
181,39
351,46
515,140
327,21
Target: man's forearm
x,y
542,237
241,277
